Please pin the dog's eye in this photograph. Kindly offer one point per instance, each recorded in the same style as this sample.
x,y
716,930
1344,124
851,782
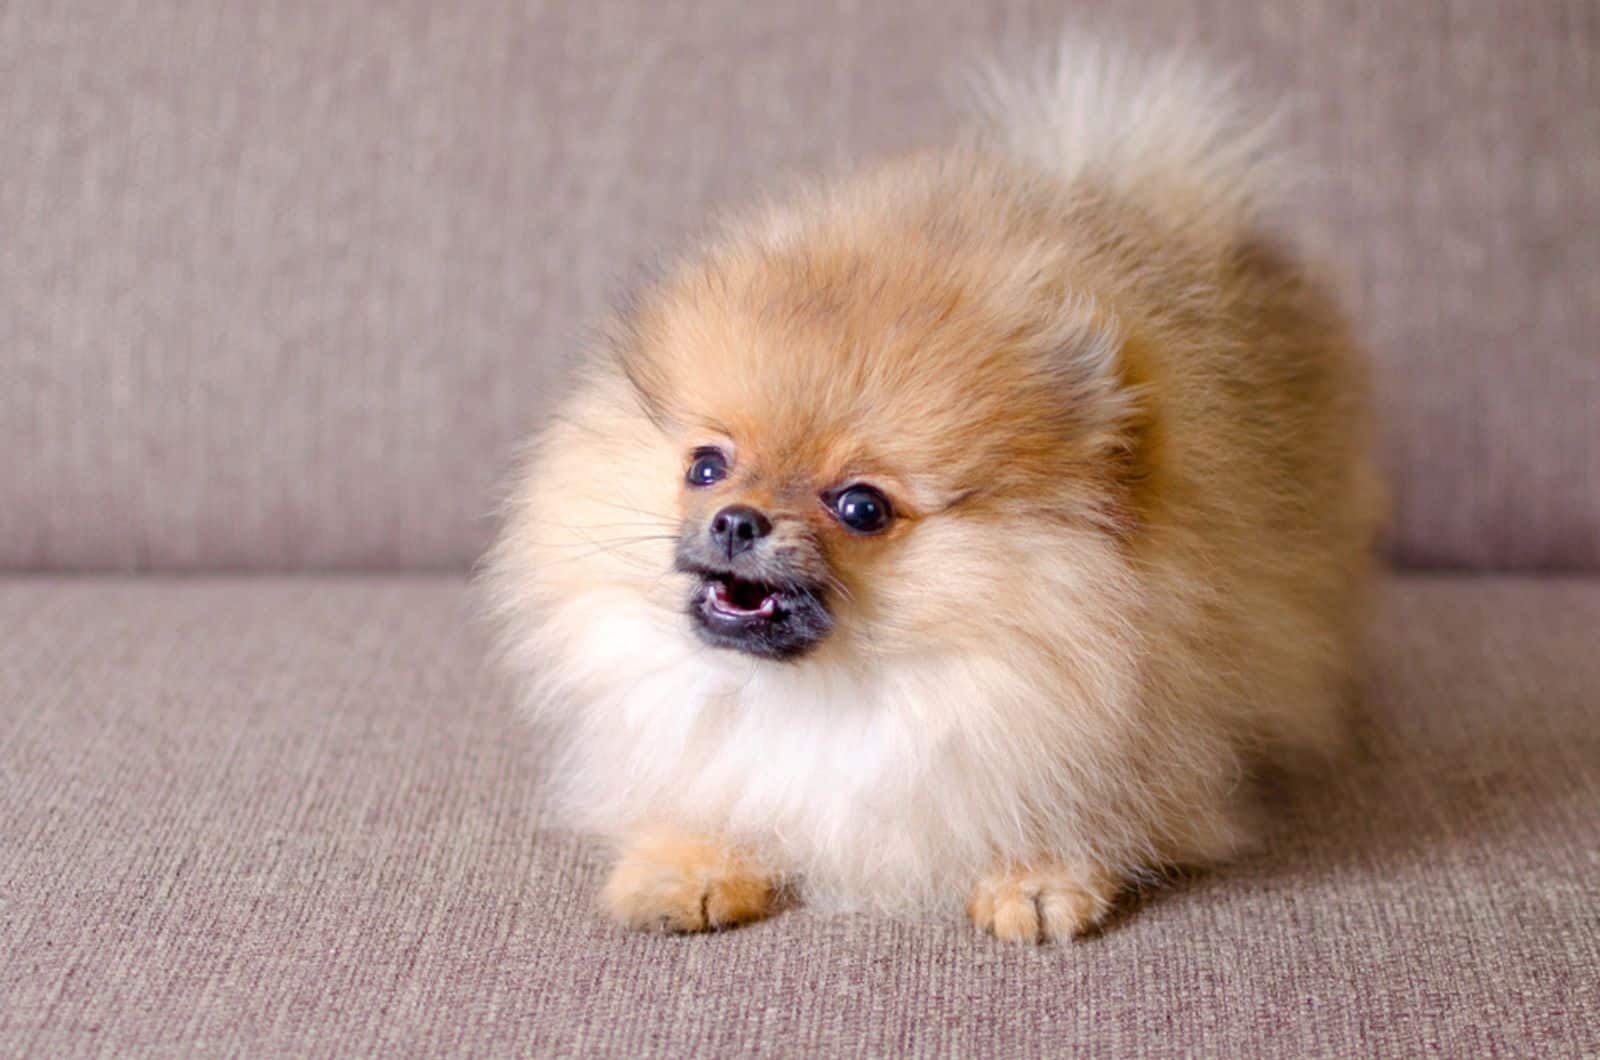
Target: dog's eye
x,y
862,508
709,466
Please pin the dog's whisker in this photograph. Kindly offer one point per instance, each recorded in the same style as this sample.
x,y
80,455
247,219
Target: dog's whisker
x,y
587,540
609,503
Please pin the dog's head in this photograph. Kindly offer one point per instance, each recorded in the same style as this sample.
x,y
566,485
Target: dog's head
x,y
841,433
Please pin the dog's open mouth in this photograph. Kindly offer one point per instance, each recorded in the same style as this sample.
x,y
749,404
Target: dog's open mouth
x,y
768,619
740,600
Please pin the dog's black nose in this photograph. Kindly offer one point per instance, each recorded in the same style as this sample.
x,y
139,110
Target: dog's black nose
x,y
738,527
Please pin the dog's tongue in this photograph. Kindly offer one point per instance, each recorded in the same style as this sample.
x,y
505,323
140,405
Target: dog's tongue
x,y
723,600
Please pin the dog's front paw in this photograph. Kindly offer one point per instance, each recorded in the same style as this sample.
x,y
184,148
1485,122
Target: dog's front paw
x,y
1052,902
667,881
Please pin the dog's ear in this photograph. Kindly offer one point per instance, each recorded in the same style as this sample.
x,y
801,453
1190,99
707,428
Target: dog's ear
x,y
1095,366
1134,452
1103,377
643,382
623,339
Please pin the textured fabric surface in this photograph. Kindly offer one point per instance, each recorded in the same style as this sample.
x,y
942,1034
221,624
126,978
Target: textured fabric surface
x,y
295,817
281,284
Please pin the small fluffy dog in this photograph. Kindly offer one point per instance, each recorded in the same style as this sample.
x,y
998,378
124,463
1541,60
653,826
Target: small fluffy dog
x,y
966,528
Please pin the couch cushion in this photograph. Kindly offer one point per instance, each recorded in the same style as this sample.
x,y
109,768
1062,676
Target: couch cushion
x,y
297,816
281,284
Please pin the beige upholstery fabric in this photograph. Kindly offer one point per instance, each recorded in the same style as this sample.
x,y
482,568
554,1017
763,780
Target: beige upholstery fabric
x,y
293,817
282,283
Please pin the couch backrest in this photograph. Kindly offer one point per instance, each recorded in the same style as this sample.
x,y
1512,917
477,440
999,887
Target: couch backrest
x,y
281,284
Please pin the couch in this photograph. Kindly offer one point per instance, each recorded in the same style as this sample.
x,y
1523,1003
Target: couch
x,y
282,285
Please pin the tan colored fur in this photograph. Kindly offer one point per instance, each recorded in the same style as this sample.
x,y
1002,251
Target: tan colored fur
x,y
1126,435
1050,902
669,881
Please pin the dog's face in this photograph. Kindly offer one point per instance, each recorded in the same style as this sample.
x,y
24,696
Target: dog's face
x,y
784,523
865,449
762,579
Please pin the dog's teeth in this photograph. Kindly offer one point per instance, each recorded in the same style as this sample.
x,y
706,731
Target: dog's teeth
x,y
721,598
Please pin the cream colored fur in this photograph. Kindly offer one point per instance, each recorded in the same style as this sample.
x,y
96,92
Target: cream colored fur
x,y
1131,435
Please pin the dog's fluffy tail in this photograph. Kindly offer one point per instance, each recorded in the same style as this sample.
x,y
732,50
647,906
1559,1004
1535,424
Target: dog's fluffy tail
x,y
1163,131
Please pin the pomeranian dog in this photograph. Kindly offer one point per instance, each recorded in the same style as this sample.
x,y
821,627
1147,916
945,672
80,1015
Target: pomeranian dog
x,y
968,528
